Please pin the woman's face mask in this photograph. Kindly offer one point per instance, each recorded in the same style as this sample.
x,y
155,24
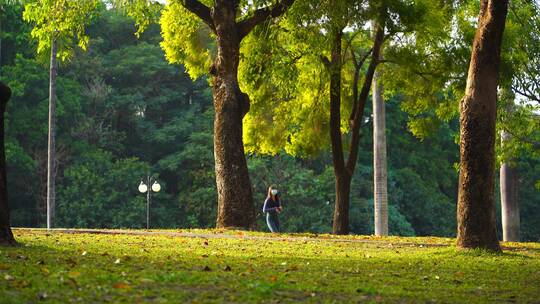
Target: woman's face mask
x,y
274,192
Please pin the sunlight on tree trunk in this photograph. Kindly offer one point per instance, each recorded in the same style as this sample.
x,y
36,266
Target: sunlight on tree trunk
x,y
380,194
476,204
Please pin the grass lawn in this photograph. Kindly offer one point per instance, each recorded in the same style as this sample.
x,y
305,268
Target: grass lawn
x,y
89,268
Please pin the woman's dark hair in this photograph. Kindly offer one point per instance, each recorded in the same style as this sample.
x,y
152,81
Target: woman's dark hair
x,y
275,197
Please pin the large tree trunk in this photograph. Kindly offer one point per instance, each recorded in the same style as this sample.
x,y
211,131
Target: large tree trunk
x,y
6,236
51,155
509,198
380,199
476,205
235,202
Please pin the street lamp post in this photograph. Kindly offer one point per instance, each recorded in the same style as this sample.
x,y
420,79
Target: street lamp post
x,y
143,188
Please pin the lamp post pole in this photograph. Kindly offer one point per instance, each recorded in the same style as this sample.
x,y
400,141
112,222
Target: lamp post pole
x,y
156,187
148,205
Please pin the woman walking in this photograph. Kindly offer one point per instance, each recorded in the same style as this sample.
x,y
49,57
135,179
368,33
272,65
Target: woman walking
x,y
272,206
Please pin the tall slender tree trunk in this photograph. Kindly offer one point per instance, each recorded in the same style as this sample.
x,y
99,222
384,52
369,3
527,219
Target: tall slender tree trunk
x,y
342,176
380,199
235,202
51,150
6,236
476,205
509,198
344,170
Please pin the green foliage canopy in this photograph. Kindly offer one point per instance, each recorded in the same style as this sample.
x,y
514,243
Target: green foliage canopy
x,y
62,21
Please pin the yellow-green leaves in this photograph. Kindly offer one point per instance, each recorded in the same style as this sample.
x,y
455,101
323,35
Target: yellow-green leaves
x,y
288,87
60,20
144,12
186,40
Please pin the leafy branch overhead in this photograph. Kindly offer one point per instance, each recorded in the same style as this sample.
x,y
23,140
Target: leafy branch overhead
x,y
63,21
189,29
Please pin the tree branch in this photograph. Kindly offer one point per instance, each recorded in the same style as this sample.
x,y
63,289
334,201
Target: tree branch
x,y
359,113
357,66
530,96
246,25
202,11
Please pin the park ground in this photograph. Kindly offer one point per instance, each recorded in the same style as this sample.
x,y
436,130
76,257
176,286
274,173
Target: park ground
x,y
216,266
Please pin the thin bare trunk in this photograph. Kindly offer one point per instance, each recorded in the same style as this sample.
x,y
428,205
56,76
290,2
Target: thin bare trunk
x,y
51,155
380,199
344,170
476,205
343,177
6,236
509,198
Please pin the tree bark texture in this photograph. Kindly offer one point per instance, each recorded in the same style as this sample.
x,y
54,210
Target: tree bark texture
x,y
6,236
235,202
380,194
509,198
51,150
476,206
343,170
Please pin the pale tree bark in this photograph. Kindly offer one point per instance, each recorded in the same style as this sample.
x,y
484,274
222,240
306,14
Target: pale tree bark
x,y
51,149
509,197
235,200
476,205
6,236
380,194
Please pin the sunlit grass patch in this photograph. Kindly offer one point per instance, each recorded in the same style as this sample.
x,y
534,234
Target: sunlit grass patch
x,y
57,267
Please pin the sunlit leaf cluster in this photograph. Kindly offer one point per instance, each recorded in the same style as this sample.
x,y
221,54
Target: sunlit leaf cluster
x,y
186,39
285,74
62,21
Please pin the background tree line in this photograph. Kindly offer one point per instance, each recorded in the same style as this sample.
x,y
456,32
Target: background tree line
x,y
123,112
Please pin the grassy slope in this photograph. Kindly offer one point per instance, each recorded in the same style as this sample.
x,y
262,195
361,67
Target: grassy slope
x,y
126,268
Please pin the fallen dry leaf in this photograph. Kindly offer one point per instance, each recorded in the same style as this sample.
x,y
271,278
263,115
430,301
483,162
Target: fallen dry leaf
x,y
121,285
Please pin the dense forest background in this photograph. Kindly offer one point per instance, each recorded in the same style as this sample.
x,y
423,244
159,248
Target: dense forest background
x,y
124,113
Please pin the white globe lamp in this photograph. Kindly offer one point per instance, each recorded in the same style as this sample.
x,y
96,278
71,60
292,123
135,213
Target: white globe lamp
x,y
156,187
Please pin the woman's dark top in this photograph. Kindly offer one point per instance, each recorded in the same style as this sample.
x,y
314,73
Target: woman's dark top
x,y
270,205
